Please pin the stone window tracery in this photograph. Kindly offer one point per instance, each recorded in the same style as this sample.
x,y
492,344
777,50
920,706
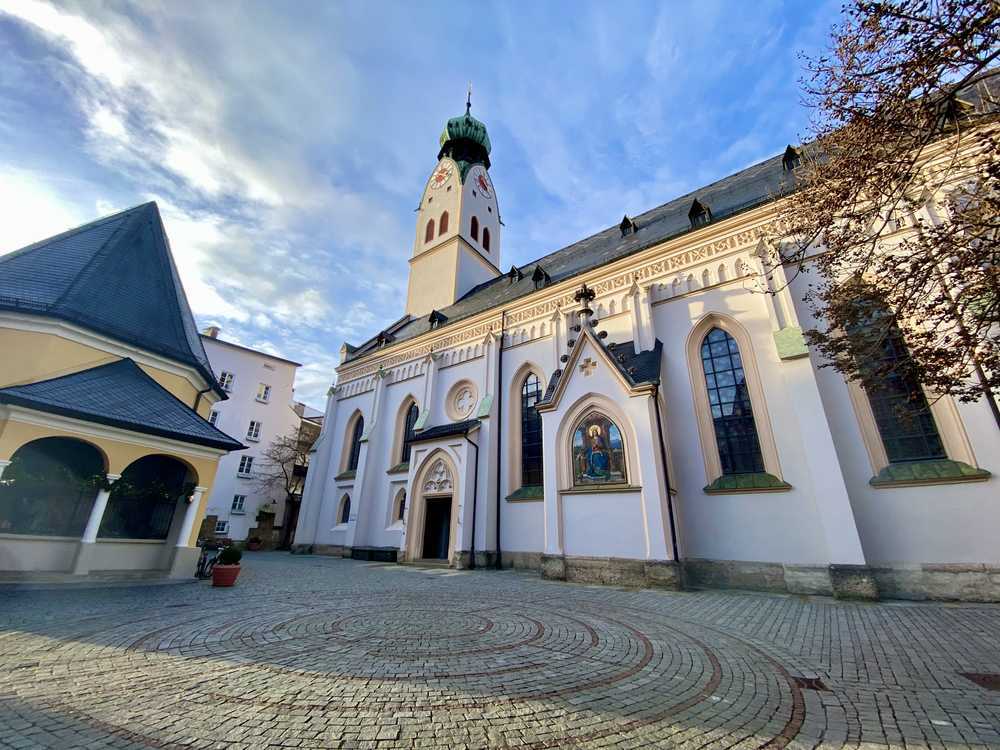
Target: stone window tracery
x,y
439,479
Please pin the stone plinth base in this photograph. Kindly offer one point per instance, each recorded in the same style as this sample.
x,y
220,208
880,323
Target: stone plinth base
x,y
758,576
853,582
185,562
553,567
301,549
331,550
378,554
613,571
960,582
520,560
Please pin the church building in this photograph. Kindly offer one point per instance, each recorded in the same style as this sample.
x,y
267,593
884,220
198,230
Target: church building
x,y
641,408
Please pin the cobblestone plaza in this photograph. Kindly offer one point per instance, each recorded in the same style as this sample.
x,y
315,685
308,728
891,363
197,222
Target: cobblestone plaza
x,y
314,652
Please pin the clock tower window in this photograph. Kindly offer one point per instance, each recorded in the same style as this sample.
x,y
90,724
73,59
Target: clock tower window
x,y
486,239
475,229
443,224
429,232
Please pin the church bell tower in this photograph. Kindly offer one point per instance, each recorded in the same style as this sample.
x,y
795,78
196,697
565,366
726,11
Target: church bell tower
x,y
457,243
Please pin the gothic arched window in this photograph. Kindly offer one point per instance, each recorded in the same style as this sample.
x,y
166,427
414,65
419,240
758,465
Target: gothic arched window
x,y
409,425
486,239
355,454
443,224
400,509
429,231
729,399
475,229
598,451
531,432
345,509
900,408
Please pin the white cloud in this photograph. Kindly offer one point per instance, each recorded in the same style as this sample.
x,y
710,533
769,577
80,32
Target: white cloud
x,y
31,209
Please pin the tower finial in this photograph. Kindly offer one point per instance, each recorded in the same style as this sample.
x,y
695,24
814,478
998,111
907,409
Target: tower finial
x,y
468,99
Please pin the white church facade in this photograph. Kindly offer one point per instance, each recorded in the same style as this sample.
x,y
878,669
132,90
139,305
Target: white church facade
x,y
641,408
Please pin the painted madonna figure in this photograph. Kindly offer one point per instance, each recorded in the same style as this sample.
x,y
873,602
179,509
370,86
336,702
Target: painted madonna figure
x,y
598,452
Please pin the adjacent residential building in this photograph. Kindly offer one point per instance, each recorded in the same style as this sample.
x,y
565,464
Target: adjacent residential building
x,y
259,409
107,455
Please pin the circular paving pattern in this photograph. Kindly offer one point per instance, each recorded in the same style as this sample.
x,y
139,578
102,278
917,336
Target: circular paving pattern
x,y
409,670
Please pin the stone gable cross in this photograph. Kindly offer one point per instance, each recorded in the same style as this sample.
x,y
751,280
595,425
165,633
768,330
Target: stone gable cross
x,y
588,366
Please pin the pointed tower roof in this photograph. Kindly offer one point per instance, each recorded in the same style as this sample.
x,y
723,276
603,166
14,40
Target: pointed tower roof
x,y
114,276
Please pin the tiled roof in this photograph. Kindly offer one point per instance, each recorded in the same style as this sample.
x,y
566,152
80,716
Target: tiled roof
x,y
637,368
114,276
446,430
751,187
119,394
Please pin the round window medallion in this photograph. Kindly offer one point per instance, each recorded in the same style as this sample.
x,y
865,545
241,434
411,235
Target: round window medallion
x,y
462,400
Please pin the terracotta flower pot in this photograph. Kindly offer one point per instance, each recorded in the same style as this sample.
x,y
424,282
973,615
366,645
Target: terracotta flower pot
x,y
225,575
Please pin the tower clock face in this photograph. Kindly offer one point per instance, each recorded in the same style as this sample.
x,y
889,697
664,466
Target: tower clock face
x,y
441,175
483,184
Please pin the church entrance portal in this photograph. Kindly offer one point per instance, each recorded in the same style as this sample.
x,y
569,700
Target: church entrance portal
x,y
437,528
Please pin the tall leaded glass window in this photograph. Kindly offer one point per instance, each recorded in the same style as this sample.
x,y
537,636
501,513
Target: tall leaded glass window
x,y
531,432
408,430
355,454
901,411
729,399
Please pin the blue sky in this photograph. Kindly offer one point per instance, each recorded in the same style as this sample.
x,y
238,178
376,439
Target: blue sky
x,y
287,143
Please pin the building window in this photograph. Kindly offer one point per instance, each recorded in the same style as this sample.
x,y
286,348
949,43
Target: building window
x,y
355,454
253,431
408,432
486,239
598,451
239,504
900,408
699,215
443,224
474,231
222,527
213,417
263,393
246,466
729,400
531,432
226,381
399,506
429,231
344,513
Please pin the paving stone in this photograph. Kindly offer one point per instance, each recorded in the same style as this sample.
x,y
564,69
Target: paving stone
x,y
319,652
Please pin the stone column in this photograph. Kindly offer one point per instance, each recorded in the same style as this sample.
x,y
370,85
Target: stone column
x,y
81,565
190,514
185,557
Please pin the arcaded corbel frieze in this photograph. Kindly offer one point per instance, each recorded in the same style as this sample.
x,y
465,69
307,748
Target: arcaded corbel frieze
x,y
652,266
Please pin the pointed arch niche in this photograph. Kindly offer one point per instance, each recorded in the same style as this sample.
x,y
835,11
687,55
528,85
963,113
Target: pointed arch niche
x,y
406,418
595,404
528,376
770,479
436,480
350,452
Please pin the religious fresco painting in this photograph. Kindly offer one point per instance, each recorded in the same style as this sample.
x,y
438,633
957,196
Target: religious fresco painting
x,y
598,452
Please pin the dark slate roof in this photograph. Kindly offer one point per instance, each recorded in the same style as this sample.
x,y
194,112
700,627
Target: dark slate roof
x,y
638,369
119,394
447,430
115,276
744,190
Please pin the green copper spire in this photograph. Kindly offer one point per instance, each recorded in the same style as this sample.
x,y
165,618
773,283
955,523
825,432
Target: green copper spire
x,y
465,140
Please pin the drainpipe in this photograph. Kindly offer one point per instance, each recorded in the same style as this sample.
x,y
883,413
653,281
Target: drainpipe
x,y
499,430
666,473
475,495
197,399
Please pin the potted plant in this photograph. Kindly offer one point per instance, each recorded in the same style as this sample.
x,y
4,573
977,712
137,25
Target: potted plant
x,y
227,567
254,543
